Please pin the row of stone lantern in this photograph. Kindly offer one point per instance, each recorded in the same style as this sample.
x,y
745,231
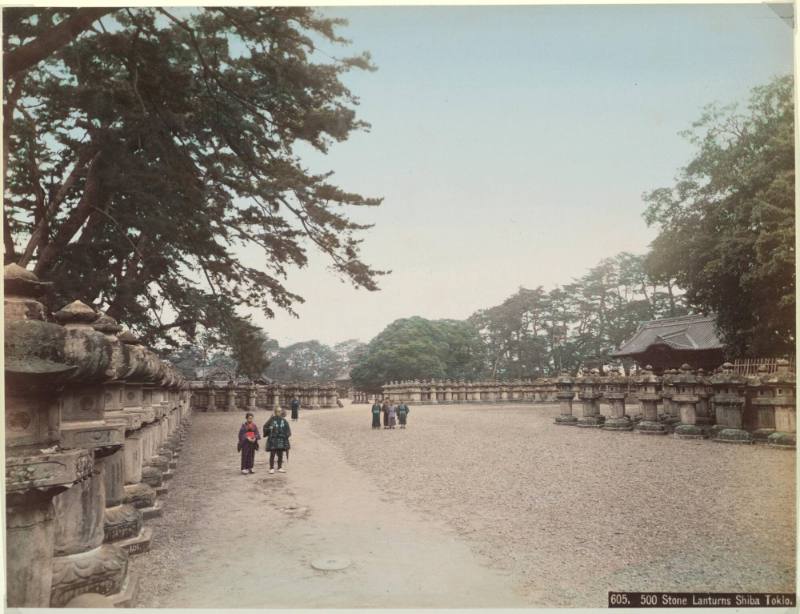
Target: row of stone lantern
x,y
210,397
94,424
727,407
542,390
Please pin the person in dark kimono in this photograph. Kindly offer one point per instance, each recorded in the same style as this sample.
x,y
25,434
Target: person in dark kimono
x,y
385,409
402,413
376,415
277,434
248,443
295,408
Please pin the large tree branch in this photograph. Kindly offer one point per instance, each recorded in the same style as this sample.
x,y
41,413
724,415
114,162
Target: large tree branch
x,y
28,55
37,238
70,227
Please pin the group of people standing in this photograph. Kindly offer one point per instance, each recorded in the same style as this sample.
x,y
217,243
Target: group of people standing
x,y
276,432
391,414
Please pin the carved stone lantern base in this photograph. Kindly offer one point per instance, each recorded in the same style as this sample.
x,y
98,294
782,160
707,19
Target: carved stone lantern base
x,y
689,431
101,570
787,441
717,429
143,497
762,435
728,435
622,423
595,421
567,420
650,427
123,526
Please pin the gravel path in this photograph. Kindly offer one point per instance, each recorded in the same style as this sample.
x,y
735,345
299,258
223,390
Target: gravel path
x,y
228,540
573,513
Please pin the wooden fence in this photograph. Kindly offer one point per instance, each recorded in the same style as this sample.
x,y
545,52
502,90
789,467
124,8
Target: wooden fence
x,y
749,366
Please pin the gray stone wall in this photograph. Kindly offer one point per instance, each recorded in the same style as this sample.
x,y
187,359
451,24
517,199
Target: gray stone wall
x,y
224,396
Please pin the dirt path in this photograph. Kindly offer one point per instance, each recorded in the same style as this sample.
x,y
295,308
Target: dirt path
x,y
248,541
472,506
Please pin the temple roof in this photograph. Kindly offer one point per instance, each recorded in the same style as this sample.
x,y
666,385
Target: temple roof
x,y
694,332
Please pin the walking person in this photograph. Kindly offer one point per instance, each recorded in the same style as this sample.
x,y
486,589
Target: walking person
x,y
402,413
385,409
295,408
248,443
392,416
376,415
277,434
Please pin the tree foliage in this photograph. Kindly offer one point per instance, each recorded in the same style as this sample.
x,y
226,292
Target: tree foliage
x,y
307,361
144,149
727,227
535,333
416,348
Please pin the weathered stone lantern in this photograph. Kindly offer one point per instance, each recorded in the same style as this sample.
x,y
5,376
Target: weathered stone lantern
x,y
37,469
84,563
670,416
589,395
123,523
565,395
685,396
781,400
649,394
616,389
729,406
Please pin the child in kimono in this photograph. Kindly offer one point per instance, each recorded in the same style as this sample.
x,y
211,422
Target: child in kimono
x,y
248,443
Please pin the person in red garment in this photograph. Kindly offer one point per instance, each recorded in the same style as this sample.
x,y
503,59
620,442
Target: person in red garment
x,y
248,443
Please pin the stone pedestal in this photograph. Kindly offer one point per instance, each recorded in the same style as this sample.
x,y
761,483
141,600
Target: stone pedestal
x,y
729,403
123,524
685,386
782,401
565,395
83,564
32,481
670,416
590,398
648,391
618,420
29,552
615,395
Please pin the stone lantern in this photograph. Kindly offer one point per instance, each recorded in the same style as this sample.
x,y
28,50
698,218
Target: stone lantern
x,y
670,416
565,395
778,405
84,561
37,469
649,394
705,392
729,406
686,387
616,389
447,394
589,394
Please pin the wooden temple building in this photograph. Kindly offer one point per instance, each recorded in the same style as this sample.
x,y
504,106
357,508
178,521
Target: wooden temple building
x,y
670,342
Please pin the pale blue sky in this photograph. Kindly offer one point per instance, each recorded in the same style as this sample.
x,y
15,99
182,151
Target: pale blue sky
x,y
512,145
